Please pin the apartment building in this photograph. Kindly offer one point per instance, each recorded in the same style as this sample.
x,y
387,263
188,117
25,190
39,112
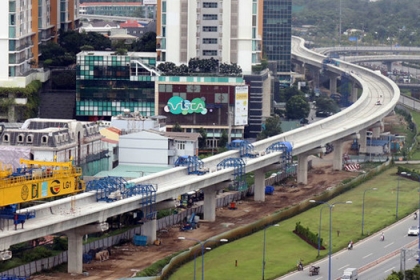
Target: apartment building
x,y
229,31
24,26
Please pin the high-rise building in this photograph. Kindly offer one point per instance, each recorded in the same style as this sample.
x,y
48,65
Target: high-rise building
x,y
229,31
277,36
24,26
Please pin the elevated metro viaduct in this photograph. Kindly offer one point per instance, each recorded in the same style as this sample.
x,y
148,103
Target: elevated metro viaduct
x,y
92,215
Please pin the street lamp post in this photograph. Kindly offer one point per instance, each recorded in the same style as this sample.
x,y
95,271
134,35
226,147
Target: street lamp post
x,y
418,235
263,261
363,207
331,206
319,229
398,196
202,243
212,142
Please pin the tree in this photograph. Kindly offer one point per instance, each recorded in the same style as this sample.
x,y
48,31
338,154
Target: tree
x,y
271,127
297,107
202,140
223,139
326,104
177,127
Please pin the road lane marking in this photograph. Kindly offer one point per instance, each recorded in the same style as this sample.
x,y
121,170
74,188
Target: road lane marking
x,y
368,255
389,244
341,268
386,271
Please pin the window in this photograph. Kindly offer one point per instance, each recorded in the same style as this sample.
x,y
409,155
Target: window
x,y
209,17
29,138
209,40
6,138
44,139
20,138
180,145
209,52
209,4
210,28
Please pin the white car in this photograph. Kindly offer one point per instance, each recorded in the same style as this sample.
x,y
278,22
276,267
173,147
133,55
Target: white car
x,y
413,231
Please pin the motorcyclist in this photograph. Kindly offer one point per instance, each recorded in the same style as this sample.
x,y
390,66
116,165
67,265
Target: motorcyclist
x,y
300,265
415,215
350,245
382,237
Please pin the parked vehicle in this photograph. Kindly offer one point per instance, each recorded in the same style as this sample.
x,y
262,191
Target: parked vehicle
x,y
350,274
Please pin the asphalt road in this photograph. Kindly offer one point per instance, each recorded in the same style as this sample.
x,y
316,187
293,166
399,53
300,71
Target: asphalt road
x,y
368,255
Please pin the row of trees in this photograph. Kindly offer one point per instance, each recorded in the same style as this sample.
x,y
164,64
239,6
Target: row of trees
x,y
197,65
71,43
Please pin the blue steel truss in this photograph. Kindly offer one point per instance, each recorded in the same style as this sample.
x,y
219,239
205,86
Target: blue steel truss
x,y
245,148
110,189
193,163
285,147
239,179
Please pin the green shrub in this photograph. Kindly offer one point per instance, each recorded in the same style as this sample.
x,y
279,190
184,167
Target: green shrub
x,y
36,254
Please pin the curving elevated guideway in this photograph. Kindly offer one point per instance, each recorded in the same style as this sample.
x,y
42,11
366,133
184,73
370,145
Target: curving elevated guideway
x,y
171,183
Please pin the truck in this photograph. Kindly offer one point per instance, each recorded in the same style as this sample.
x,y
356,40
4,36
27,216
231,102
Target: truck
x,y
350,274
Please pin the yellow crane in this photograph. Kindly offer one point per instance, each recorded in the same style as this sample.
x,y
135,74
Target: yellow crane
x,y
38,180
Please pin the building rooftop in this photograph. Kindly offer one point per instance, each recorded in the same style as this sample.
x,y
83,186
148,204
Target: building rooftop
x,y
132,171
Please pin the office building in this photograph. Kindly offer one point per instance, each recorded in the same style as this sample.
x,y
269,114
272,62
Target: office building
x,y
24,26
277,37
108,84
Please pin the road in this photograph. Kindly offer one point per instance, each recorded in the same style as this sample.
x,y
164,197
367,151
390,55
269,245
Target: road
x,y
371,256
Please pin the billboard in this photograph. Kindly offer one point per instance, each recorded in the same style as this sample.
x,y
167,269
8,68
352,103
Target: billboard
x,y
241,105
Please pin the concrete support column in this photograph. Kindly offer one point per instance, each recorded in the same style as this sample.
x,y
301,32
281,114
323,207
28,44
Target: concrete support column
x,y
75,252
300,68
259,183
149,229
362,141
376,132
354,92
338,154
75,245
209,206
302,172
333,82
388,65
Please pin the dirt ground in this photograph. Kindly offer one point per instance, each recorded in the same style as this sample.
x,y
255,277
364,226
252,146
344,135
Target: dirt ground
x,y
128,259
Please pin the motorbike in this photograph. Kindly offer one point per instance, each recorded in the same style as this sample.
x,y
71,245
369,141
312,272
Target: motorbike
x,y
382,237
350,246
415,216
299,266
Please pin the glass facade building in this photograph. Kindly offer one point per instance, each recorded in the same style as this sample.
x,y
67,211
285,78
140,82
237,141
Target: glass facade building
x,y
107,84
277,34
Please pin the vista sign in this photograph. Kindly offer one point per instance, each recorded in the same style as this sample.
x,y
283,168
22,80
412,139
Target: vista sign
x,y
178,105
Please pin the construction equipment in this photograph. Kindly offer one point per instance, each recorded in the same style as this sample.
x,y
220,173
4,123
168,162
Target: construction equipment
x,y
38,180
189,224
188,199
